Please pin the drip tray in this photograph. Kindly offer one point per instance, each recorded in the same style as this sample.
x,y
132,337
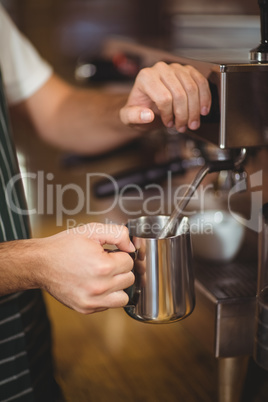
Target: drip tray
x,y
234,280
223,319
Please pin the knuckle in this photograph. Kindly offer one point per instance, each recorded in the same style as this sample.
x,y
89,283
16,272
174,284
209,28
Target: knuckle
x,y
203,81
87,308
144,73
191,70
160,65
124,231
125,261
180,97
82,303
191,88
200,78
98,289
164,100
125,300
178,68
104,269
189,67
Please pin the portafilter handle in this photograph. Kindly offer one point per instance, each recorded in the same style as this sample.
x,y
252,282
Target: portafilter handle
x,y
260,53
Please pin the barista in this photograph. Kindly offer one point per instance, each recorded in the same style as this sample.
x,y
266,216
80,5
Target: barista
x,y
72,265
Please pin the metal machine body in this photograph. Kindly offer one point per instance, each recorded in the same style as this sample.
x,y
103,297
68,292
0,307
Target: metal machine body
x,y
239,87
238,116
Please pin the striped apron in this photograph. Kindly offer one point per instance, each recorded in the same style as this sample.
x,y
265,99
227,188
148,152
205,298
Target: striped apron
x,y
26,372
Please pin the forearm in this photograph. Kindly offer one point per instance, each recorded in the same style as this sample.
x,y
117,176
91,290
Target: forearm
x,y
72,266
18,262
88,122
83,121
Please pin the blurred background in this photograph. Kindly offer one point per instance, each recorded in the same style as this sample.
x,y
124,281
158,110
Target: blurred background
x,y
63,30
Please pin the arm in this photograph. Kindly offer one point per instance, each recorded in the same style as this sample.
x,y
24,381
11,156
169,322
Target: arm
x,y
72,266
79,120
91,121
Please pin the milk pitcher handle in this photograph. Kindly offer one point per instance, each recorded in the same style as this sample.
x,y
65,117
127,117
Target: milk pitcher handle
x,y
131,291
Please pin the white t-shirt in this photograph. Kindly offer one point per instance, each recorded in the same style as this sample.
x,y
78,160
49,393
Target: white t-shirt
x,y
23,70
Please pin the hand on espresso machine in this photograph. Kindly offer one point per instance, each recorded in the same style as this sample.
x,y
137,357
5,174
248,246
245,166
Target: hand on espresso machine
x,y
173,93
76,269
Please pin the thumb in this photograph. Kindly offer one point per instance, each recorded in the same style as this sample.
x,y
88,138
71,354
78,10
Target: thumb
x,y
136,115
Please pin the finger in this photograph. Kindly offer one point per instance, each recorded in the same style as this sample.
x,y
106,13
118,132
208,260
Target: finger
x,y
122,262
204,90
191,95
136,115
185,93
101,303
112,234
111,264
178,81
201,102
151,87
116,299
122,281
111,299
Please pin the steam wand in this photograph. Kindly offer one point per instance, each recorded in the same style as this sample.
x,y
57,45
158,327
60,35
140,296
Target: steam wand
x,y
210,167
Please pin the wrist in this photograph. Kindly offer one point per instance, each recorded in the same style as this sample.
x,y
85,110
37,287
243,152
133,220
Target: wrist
x,y
20,261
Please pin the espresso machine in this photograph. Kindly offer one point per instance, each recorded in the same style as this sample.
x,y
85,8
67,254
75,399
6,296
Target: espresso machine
x,y
224,316
238,119
226,297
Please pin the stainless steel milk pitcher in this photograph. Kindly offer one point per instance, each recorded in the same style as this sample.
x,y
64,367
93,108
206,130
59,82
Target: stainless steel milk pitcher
x,y
163,291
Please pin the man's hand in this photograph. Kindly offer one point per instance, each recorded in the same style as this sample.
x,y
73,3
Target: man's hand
x,y
72,266
175,93
81,274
